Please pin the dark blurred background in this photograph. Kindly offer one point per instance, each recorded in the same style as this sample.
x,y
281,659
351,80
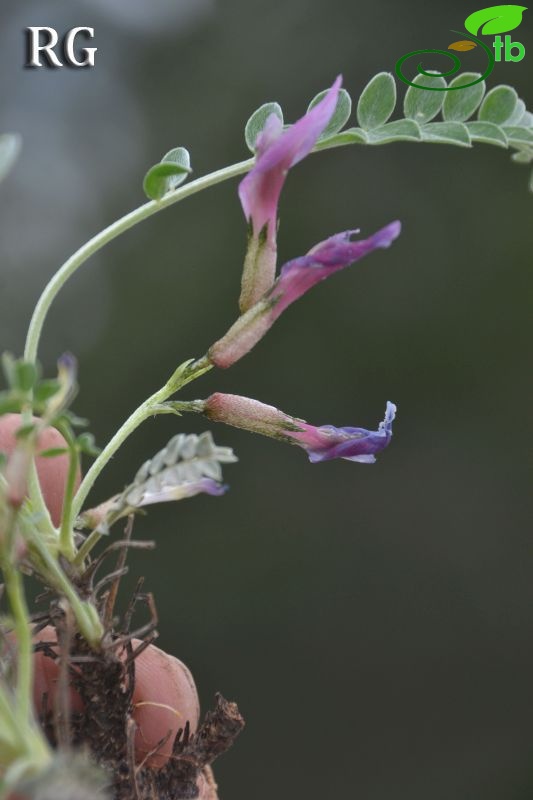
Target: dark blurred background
x,y
374,623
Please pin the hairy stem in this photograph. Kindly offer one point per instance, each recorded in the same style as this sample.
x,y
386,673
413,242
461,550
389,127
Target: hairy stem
x,y
143,412
186,373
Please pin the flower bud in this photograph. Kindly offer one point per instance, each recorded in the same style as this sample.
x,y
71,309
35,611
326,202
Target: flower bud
x,y
322,443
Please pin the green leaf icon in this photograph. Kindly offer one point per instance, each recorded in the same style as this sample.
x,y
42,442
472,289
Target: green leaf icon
x,y
496,19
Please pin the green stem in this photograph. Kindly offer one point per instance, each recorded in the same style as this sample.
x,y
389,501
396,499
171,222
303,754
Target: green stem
x,y
86,615
132,423
186,373
66,538
19,609
90,542
34,487
10,723
107,235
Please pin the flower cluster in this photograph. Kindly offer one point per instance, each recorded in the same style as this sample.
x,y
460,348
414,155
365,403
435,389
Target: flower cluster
x,y
264,297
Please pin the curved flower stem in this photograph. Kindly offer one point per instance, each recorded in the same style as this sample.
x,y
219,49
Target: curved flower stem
x,y
187,372
107,235
122,225
140,414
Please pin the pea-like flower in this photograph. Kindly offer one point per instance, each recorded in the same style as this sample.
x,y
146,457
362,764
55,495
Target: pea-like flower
x,y
296,278
277,151
322,443
353,444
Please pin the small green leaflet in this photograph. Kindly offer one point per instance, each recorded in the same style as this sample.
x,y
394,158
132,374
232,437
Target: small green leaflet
x,y
377,101
341,115
166,176
257,122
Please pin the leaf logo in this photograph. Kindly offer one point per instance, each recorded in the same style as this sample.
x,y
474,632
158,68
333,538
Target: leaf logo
x,y
496,19
463,45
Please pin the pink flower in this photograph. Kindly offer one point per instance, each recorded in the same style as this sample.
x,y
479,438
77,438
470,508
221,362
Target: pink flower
x,y
277,151
296,278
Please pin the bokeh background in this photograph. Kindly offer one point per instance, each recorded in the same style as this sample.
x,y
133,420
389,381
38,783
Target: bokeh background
x,y
375,623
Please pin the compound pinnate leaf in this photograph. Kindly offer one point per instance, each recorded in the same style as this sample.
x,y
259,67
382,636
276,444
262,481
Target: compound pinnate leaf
x,y
446,133
9,149
463,45
377,101
341,115
257,121
498,105
188,465
487,132
401,130
422,104
495,19
172,170
459,105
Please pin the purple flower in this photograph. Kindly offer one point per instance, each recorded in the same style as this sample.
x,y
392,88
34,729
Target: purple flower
x,y
352,444
321,443
277,151
296,278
